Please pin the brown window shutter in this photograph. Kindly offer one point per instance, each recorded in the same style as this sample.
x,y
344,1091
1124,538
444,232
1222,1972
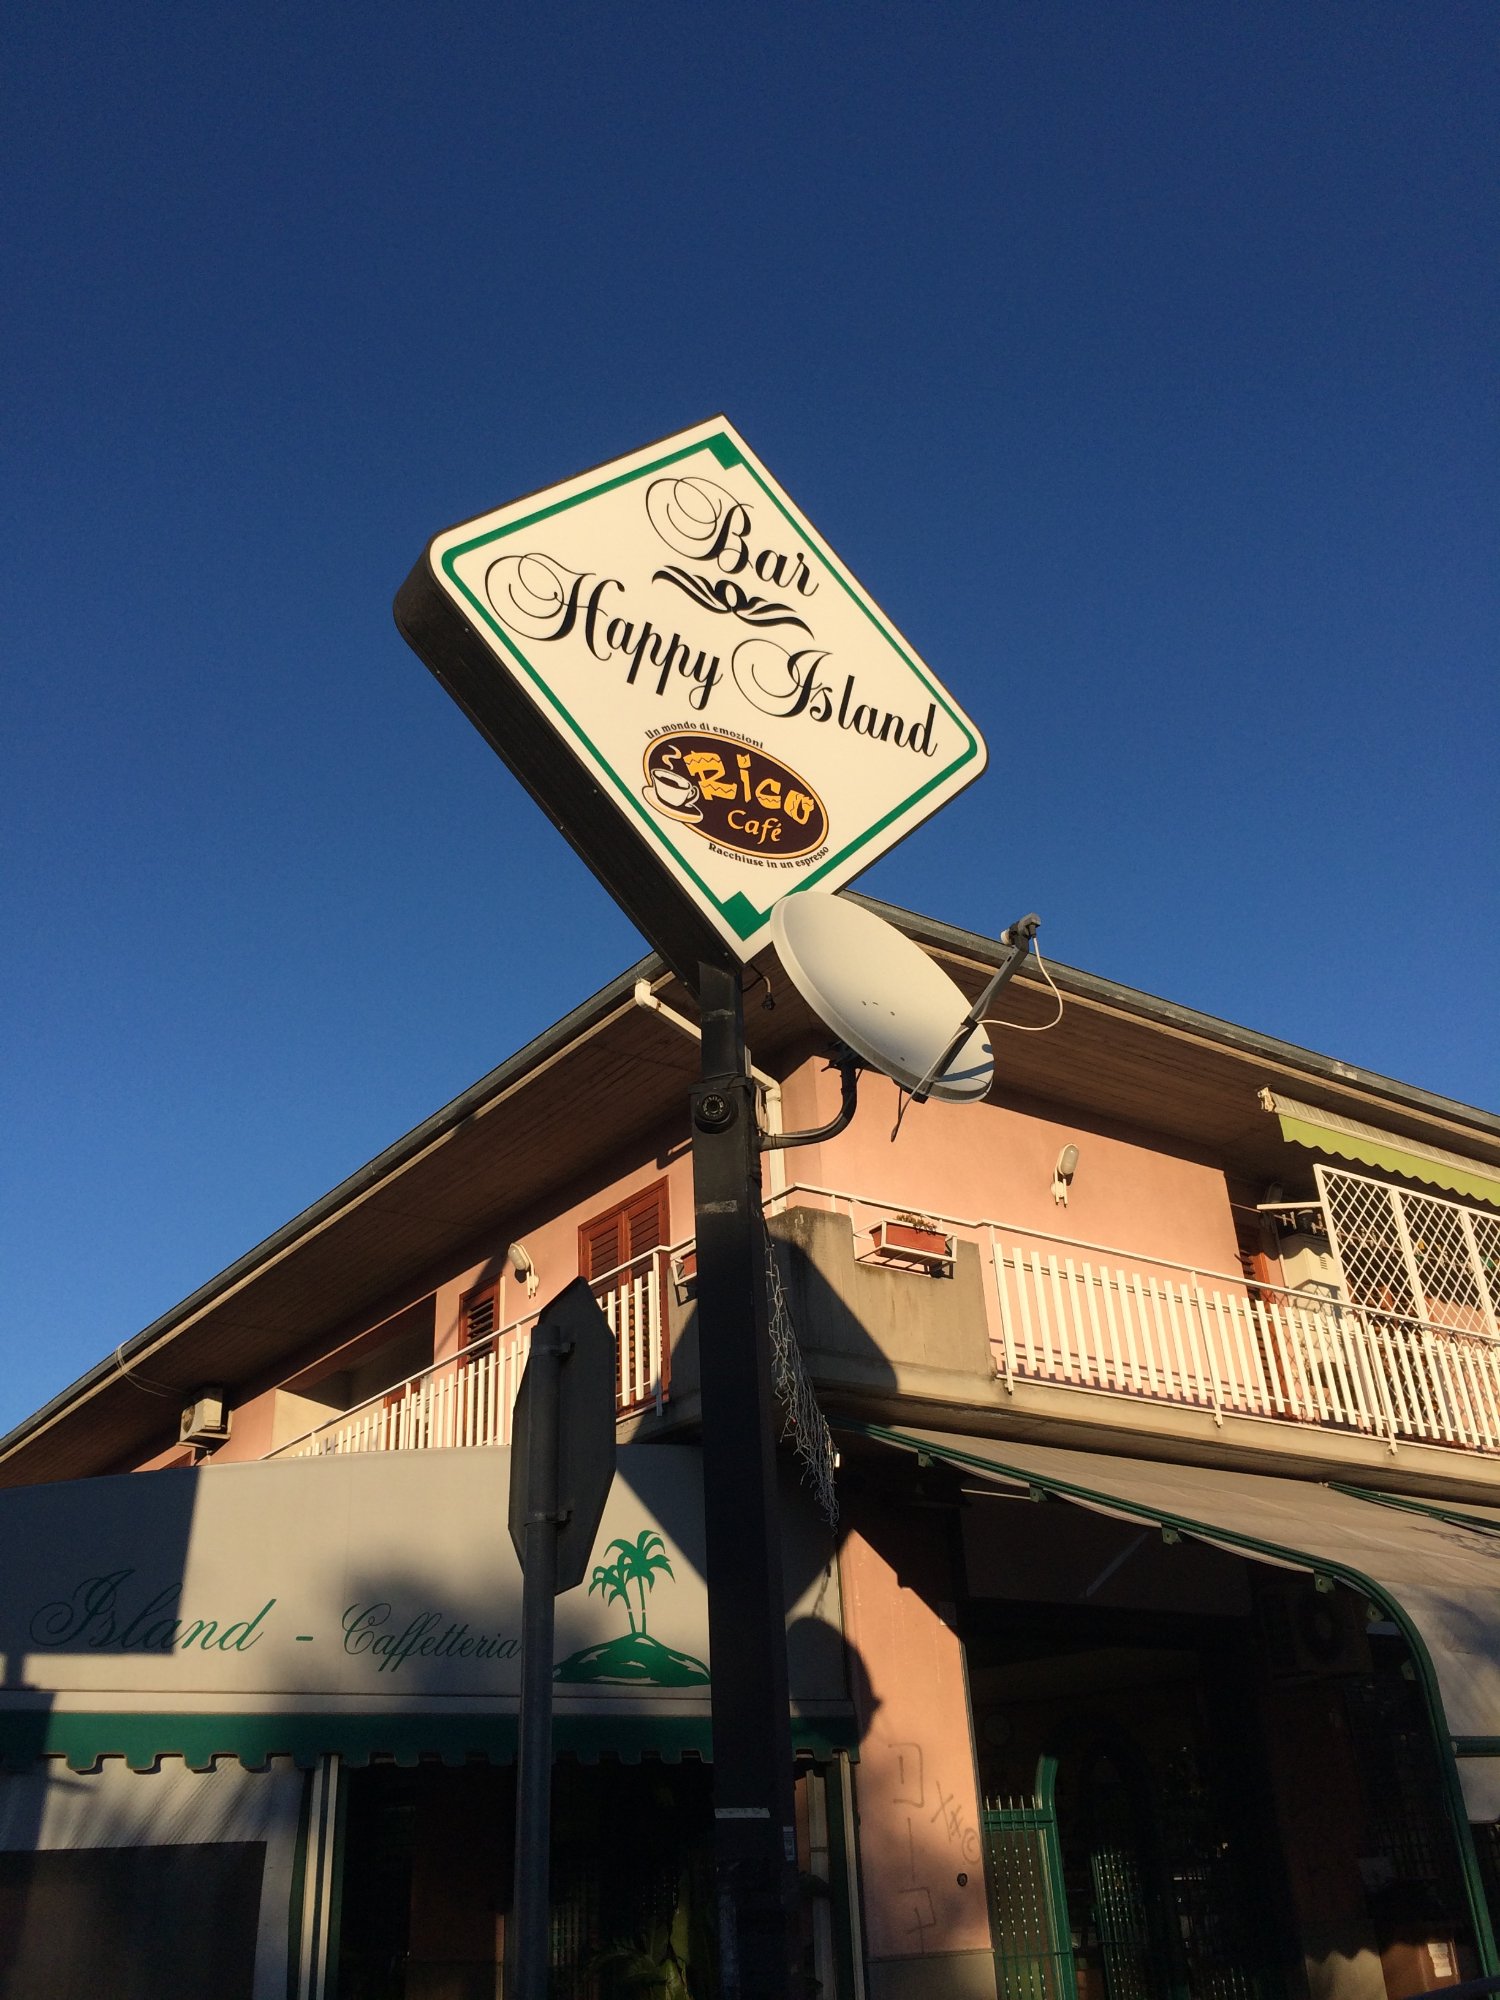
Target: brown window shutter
x,y
478,1315
619,1237
622,1234
643,1224
599,1246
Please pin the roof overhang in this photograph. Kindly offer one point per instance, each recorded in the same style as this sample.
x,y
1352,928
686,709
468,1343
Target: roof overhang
x,y
591,1086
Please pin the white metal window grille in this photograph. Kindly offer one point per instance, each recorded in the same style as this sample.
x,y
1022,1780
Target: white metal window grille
x,y
1412,1254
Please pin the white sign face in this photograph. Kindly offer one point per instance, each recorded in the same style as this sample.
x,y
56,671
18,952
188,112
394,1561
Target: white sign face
x,y
754,717
323,1580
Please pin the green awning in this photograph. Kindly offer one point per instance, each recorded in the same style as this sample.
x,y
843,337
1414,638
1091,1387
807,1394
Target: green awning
x,y
1329,1132
1438,1583
1441,1582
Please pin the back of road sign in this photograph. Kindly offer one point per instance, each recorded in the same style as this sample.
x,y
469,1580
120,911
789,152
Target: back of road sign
x,y
585,1430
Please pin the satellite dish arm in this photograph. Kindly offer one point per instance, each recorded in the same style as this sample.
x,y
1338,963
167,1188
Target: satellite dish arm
x,y
1019,938
848,1065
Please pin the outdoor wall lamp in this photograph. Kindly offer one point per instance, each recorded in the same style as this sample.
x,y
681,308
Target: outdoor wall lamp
x,y
1062,1174
520,1262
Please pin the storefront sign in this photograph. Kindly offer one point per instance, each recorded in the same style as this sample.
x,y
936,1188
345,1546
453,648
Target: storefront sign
x,y
667,644
354,1578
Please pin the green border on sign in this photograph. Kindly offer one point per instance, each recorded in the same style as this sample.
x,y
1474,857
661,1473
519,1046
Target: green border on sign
x,y
737,911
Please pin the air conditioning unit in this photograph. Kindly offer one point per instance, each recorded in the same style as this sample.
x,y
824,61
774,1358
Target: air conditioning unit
x,y
1309,1265
206,1419
1311,1633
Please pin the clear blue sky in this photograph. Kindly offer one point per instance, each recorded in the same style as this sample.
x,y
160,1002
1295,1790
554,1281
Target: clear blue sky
x,y
1139,359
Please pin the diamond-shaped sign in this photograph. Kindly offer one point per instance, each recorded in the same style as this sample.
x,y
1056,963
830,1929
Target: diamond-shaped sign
x,y
665,648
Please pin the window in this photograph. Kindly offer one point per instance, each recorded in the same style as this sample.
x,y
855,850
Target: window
x,y
619,1253
132,1922
478,1314
625,1233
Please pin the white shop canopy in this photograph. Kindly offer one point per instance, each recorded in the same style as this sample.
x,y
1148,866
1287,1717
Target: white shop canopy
x,y
1434,1569
369,1605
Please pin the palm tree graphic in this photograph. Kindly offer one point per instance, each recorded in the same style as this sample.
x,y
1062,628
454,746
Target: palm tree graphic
x,y
637,1563
610,1580
638,1659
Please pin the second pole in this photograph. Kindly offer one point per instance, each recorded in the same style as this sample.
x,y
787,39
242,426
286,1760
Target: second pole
x,y
754,1827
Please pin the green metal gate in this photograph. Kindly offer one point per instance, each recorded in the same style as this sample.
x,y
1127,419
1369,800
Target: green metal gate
x,y
1028,1910
1131,1971
1167,1914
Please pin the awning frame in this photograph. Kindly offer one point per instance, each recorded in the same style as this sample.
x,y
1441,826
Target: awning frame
x,y
1435,1510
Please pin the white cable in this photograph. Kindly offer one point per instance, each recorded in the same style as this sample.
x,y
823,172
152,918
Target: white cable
x,y
1040,1027
904,1097
139,1381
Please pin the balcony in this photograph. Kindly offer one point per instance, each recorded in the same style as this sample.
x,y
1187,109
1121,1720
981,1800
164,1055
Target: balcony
x,y
1197,1339
1002,1314
1066,1313
468,1399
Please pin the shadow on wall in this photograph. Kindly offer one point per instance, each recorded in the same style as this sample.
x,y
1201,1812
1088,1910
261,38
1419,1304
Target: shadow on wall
x,y
93,1571
868,1333
872,1337
94,1568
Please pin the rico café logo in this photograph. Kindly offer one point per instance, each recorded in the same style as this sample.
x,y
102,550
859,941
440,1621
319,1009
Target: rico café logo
x,y
765,807
733,793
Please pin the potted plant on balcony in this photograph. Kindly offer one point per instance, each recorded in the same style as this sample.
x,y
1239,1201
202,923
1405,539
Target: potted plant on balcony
x,y
909,1238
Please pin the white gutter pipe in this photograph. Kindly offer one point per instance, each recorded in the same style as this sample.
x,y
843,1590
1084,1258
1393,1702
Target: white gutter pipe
x,y
770,1089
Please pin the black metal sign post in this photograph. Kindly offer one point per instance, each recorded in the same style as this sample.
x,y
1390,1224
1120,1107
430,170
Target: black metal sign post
x,y
562,1464
512,627
754,1834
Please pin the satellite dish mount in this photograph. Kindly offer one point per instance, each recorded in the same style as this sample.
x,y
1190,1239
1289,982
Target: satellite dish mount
x,y
848,1065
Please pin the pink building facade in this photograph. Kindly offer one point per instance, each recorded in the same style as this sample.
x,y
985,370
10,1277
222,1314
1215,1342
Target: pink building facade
x,y
1150,1652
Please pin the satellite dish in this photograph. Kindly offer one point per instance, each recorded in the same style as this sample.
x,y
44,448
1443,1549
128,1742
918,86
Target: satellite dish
x,y
881,994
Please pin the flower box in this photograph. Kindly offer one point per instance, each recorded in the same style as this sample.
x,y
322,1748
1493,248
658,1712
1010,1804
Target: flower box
x,y
914,1243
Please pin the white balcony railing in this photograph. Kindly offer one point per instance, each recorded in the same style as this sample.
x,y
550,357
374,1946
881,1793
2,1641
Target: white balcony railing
x,y
467,1399
1084,1316
1059,1310
1258,1352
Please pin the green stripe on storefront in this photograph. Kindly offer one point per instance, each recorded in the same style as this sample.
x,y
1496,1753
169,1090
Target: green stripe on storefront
x,y
83,1738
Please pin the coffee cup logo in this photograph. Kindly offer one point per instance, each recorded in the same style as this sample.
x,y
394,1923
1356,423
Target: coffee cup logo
x,y
671,787
734,794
